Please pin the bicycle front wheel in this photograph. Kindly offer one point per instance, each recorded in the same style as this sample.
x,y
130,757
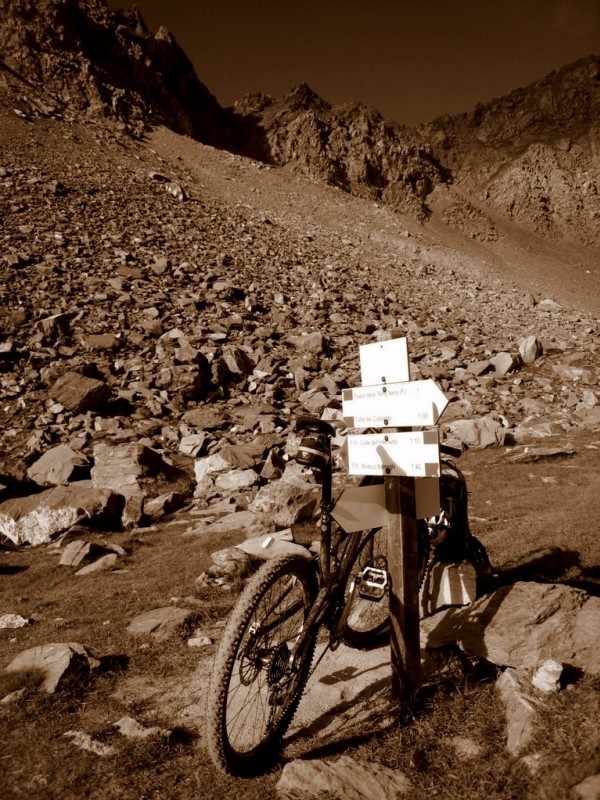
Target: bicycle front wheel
x,y
254,692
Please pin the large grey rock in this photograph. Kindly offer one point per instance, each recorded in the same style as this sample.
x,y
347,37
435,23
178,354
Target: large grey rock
x,y
521,708
523,625
159,623
530,348
286,503
123,467
346,779
78,551
274,544
78,393
60,662
477,433
231,562
57,466
504,363
102,564
37,518
237,479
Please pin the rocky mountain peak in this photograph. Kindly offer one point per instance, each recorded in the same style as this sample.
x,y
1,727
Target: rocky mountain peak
x,y
105,62
530,156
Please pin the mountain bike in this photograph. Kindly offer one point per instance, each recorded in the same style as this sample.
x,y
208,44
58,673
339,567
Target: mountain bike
x,y
339,595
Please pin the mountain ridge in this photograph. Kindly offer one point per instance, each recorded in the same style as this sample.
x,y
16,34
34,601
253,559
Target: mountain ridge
x,y
529,156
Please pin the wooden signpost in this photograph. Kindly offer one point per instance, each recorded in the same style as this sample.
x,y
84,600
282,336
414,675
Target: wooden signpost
x,y
388,400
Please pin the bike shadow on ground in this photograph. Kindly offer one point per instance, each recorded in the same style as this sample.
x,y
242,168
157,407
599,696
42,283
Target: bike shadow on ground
x,y
345,723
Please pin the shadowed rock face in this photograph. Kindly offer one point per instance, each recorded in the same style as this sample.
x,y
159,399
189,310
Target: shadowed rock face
x,y
531,154
108,63
349,146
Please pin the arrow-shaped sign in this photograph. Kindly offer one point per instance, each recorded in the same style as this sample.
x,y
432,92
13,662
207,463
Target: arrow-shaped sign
x,y
360,508
412,453
394,404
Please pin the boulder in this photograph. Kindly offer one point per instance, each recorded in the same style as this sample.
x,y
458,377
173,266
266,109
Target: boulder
x,y
78,551
58,466
36,519
102,564
137,471
78,393
275,544
60,663
477,433
504,363
530,349
286,503
121,467
159,623
523,625
344,779
521,708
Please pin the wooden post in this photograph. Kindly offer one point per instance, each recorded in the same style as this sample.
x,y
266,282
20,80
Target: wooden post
x,y
404,586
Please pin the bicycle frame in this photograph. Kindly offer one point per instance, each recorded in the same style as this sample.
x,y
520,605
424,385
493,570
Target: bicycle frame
x,y
331,579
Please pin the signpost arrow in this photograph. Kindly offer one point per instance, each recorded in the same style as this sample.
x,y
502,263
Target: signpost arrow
x,y
393,405
412,453
360,508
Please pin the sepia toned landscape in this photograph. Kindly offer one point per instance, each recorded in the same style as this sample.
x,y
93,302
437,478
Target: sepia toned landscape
x,y
179,282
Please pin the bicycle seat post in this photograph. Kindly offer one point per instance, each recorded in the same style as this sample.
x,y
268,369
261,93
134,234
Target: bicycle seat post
x,y
325,523
315,452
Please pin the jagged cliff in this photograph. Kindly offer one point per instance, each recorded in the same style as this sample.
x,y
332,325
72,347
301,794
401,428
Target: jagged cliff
x,y
533,155
530,158
349,146
107,62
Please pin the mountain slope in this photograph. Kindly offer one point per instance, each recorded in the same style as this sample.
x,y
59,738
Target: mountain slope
x,y
351,147
534,155
530,159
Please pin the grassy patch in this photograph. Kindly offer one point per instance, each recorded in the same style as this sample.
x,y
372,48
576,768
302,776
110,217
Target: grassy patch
x,y
538,522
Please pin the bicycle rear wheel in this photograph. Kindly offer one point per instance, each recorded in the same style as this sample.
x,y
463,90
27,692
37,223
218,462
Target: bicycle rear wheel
x,y
367,619
254,693
367,623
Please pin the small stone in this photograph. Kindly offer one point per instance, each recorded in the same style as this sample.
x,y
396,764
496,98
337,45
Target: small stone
x,y
85,742
199,641
132,729
13,621
103,564
530,349
547,677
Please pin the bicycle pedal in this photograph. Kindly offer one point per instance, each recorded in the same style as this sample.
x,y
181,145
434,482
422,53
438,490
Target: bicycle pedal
x,y
372,583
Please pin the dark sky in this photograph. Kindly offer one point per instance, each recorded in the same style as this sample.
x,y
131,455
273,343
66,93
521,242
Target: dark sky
x,y
410,59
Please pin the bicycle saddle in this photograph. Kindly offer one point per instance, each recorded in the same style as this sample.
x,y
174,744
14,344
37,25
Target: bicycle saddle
x,y
306,422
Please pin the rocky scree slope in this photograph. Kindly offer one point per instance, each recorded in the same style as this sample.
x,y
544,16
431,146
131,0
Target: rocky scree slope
x,y
204,324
